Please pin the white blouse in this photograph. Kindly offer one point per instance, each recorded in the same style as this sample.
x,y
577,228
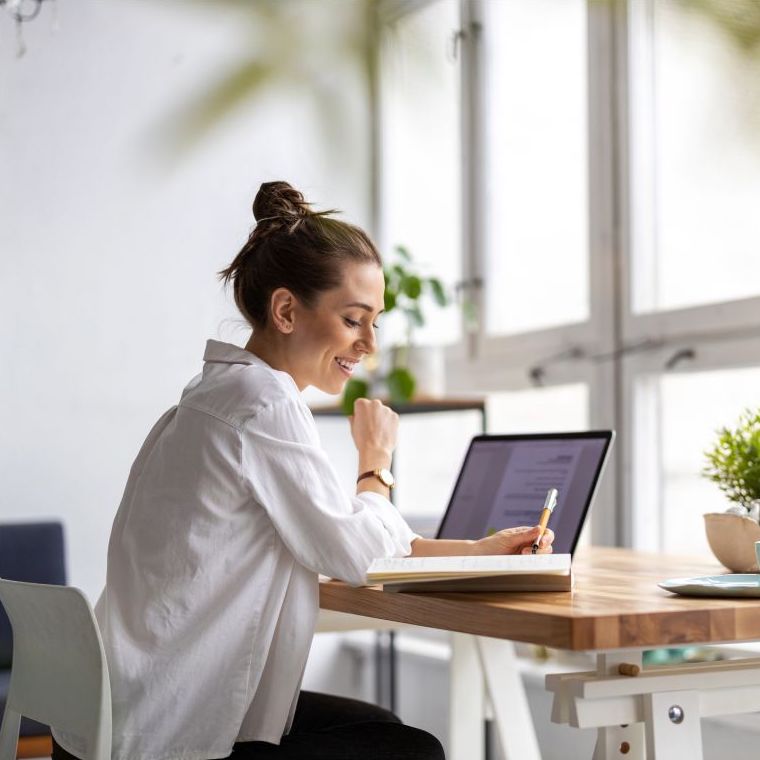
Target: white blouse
x,y
231,511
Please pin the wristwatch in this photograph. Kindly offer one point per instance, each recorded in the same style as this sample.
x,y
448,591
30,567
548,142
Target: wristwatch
x,y
383,475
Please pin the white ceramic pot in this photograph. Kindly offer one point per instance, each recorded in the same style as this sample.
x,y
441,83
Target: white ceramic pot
x,y
426,364
732,540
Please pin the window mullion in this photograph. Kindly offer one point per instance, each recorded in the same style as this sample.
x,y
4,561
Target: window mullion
x,y
606,99
473,173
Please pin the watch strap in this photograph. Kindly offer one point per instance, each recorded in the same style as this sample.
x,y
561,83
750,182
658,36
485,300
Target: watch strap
x,y
374,474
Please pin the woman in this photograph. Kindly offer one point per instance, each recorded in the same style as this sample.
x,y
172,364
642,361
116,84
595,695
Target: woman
x,y
232,509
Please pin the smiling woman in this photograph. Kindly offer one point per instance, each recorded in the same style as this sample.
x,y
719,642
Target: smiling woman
x,y
311,287
332,337
232,509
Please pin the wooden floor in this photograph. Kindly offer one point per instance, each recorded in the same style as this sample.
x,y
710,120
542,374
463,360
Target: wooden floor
x,y
615,603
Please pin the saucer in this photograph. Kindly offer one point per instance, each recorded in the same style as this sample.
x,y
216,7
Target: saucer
x,y
736,584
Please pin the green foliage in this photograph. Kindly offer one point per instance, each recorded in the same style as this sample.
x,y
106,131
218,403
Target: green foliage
x,y
404,292
400,385
354,389
404,287
734,461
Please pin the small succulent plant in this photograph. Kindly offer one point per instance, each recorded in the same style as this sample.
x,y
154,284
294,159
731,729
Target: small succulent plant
x,y
733,463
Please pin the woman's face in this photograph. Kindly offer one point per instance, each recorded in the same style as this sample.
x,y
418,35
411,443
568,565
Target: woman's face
x,y
330,339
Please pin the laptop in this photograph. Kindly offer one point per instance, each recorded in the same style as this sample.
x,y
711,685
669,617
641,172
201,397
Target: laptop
x,y
504,480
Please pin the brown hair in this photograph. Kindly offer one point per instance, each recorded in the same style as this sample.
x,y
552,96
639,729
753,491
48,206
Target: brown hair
x,y
292,247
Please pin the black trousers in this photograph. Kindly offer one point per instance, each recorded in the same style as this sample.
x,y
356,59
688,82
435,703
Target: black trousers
x,y
336,728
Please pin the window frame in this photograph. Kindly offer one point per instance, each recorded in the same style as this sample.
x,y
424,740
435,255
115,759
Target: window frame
x,y
615,351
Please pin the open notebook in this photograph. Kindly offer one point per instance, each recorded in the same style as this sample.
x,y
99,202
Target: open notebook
x,y
516,572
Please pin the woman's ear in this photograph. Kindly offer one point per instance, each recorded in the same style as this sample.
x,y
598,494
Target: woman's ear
x,y
282,310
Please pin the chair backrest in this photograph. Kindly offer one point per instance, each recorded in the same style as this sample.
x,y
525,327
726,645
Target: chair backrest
x,y
32,552
59,674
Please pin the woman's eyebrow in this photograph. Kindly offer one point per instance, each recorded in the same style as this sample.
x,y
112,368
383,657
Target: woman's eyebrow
x,y
364,306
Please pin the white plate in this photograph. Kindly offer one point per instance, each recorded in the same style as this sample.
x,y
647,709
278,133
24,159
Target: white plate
x,y
737,584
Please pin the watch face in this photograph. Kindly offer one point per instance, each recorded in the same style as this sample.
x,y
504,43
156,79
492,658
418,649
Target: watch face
x,y
386,477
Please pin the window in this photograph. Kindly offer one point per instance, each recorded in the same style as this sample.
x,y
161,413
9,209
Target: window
x,y
539,410
693,266
535,151
686,410
420,143
696,162
610,175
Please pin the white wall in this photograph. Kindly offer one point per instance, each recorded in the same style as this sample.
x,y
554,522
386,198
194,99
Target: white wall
x,y
109,247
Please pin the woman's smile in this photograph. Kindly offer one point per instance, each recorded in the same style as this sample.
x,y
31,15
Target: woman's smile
x,y
347,365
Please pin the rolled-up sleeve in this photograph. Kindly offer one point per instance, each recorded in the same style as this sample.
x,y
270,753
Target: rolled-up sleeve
x,y
291,477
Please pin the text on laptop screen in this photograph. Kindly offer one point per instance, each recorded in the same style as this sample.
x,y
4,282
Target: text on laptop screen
x,y
503,484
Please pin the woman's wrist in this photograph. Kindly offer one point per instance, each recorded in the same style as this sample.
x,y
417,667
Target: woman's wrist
x,y
436,547
374,459
479,547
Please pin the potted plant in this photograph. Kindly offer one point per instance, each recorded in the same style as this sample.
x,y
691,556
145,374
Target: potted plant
x,y
405,292
733,463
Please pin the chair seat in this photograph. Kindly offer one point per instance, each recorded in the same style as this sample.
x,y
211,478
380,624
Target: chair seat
x,y
29,727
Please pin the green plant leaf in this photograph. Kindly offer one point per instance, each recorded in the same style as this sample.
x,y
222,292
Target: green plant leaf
x,y
438,291
414,316
185,129
404,288
401,385
411,286
734,461
353,390
397,273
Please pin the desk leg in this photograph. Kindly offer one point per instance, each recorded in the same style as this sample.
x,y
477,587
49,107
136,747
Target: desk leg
x,y
466,700
673,727
656,714
385,670
619,741
507,695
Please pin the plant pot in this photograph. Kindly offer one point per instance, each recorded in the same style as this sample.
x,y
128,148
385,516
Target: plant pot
x,y
426,365
732,540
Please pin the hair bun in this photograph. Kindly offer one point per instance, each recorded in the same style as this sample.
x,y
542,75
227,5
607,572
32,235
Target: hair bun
x,y
279,199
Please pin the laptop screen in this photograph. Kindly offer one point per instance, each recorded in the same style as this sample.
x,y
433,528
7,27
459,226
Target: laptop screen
x,y
504,480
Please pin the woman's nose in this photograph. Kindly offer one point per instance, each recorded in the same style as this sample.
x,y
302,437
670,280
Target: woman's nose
x,y
368,342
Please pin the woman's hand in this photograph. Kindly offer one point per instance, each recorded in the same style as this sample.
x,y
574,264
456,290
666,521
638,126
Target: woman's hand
x,y
374,428
515,541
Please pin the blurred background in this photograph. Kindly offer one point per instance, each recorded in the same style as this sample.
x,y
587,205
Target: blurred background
x,y
585,175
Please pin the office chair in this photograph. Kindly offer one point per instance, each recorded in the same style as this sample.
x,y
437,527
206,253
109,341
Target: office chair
x,y
31,552
59,674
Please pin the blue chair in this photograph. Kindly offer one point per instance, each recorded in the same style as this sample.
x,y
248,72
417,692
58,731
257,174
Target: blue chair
x,y
34,553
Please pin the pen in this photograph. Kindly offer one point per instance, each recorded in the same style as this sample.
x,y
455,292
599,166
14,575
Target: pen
x,y
546,513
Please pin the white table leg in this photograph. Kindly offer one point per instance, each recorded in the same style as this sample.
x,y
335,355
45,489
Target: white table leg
x,y
673,729
654,714
619,741
507,695
466,700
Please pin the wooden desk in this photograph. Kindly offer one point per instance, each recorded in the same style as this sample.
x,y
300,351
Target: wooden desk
x,y
615,610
